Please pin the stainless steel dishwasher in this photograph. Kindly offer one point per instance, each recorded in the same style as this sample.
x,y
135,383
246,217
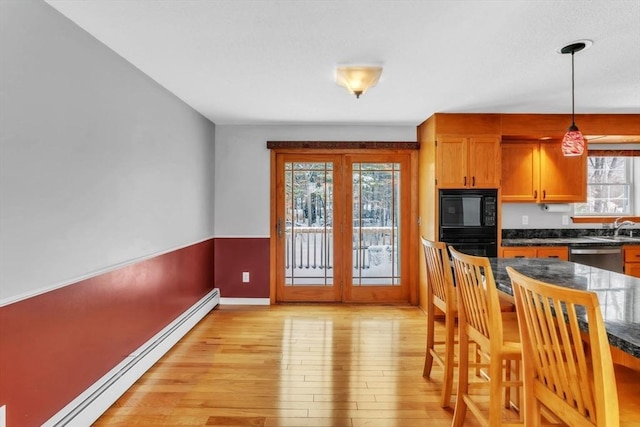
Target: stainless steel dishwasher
x,y
605,257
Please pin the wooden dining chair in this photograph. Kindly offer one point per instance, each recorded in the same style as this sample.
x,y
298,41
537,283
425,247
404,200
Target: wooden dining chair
x,y
563,375
441,295
496,335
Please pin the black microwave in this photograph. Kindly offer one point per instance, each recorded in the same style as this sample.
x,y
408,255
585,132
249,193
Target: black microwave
x,y
468,208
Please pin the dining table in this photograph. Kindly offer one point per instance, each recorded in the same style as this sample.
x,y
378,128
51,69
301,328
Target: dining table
x,y
618,294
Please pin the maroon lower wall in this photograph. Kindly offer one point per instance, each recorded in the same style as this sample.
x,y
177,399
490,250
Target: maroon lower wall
x,y
235,255
55,345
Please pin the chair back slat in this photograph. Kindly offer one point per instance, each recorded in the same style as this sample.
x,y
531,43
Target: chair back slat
x,y
574,381
482,324
477,296
439,274
440,295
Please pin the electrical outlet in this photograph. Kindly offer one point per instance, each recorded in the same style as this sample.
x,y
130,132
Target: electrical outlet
x,y
245,277
525,219
565,219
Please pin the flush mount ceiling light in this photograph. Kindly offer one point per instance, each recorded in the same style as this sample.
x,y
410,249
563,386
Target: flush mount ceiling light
x,y
573,143
358,78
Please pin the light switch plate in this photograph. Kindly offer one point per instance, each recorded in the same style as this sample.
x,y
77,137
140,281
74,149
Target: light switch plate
x,y
245,277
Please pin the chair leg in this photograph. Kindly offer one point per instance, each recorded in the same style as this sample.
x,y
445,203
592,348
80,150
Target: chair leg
x,y
530,410
463,380
478,358
507,390
428,359
495,390
516,395
448,361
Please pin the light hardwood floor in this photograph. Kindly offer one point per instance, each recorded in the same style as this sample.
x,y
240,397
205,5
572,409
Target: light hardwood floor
x,y
292,365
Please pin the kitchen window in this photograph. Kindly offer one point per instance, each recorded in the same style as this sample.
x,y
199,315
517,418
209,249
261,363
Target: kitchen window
x,y
609,187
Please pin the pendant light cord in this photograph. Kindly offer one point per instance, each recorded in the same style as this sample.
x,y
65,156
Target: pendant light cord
x,y
573,92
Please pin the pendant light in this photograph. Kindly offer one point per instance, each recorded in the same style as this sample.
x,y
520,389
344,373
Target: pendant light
x,y
573,143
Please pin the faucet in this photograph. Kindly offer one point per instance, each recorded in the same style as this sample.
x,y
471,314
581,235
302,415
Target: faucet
x,y
618,225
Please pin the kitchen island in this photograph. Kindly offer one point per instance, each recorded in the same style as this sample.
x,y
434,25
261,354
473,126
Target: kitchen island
x,y
616,253
619,297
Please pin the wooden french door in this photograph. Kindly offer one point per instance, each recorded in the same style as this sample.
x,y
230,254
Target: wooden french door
x,y
341,224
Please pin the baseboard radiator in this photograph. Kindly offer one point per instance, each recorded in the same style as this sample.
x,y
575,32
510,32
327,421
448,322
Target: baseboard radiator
x,y
88,406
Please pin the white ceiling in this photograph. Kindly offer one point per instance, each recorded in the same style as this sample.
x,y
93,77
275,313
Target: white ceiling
x,y
273,61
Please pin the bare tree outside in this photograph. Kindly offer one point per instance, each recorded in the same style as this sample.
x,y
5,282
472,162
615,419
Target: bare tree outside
x,y
376,216
309,204
608,187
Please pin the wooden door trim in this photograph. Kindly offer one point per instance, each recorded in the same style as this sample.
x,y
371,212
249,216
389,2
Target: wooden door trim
x,y
336,159
388,294
343,145
273,235
413,276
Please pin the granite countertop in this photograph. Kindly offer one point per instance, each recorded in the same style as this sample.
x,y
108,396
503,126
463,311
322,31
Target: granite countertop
x,y
567,237
619,294
572,241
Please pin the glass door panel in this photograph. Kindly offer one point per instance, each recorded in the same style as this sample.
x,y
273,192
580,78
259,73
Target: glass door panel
x,y
341,227
306,216
309,219
377,199
375,231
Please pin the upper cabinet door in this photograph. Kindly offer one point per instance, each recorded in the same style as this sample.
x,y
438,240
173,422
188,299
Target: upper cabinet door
x,y
484,161
468,162
562,179
451,162
537,172
520,172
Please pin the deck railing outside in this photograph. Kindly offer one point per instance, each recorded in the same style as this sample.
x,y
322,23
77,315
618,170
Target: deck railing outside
x,y
308,247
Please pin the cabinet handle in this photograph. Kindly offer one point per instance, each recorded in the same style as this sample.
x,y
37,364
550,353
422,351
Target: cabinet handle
x,y
553,256
544,194
473,181
535,194
465,181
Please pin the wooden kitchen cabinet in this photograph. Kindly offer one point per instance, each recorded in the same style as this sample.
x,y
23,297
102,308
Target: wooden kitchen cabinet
x,y
520,172
558,252
631,260
562,179
537,172
468,161
518,252
453,146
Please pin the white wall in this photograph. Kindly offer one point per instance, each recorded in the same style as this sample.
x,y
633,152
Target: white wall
x,y
242,176
512,214
99,164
